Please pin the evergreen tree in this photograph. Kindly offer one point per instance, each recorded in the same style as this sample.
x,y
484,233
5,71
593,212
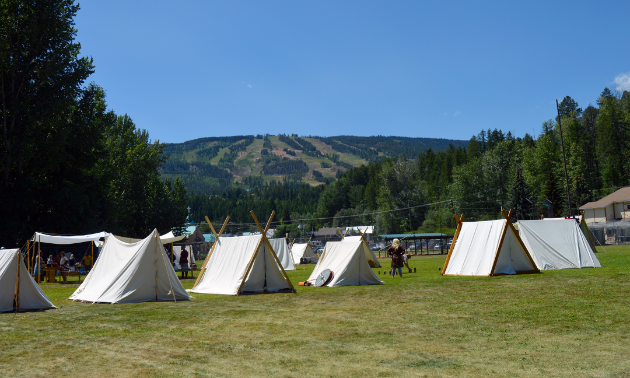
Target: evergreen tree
x,y
518,197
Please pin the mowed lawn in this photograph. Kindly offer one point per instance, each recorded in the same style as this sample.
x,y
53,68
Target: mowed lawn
x,y
561,323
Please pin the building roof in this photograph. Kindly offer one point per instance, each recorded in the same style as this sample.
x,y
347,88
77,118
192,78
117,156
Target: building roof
x,y
328,231
621,195
427,235
363,229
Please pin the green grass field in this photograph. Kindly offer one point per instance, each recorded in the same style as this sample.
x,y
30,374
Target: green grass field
x,y
557,324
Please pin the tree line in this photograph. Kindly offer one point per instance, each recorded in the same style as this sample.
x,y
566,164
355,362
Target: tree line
x,y
69,165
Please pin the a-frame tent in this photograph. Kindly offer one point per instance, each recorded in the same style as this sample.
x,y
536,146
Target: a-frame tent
x,y
281,249
242,265
130,273
303,250
18,290
488,248
348,261
557,244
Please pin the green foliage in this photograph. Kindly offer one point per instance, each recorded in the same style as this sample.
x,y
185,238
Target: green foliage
x,y
70,167
284,229
518,199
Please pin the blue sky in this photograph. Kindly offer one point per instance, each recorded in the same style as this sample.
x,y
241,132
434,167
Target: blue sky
x,y
186,70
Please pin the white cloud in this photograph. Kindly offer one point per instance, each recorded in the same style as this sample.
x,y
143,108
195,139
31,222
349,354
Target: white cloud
x,y
249,86
623,82
445,114
457,113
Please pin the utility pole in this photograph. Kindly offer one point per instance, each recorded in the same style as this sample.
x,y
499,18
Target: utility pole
x,y
564,160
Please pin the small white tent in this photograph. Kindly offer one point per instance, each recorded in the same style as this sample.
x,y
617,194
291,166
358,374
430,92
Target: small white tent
x,y
303,250
348,260
557,244
281,249
131,272
19,288
241,265
487,248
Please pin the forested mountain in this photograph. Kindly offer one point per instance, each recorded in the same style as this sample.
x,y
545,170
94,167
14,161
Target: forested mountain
x,y
212,165
494,171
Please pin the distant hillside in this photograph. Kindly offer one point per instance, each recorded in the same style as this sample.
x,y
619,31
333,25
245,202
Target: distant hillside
x,y
213,164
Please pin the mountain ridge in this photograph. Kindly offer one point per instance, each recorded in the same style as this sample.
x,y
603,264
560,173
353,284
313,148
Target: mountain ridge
x,y
213,164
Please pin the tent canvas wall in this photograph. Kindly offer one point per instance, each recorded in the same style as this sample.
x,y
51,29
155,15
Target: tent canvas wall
x,y
348,260
303,250
557,244
369,254
487,248
226,271
281,249
30,296
131,272
583,226
177,250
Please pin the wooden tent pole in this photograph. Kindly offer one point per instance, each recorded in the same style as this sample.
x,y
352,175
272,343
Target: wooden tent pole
x,y
28,255
588,229
520,241
251,261
216,240
273,253
39,258
496,256
460,221
16,298
157,236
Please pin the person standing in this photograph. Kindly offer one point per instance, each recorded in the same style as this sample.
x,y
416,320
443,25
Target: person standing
x,y
183,262
396,251
87,261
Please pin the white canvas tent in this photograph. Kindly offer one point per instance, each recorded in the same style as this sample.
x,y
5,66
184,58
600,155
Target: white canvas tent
x,y
242,265
487,248
177,250
557,244
348,260
131,272
281,249
17,287
303,250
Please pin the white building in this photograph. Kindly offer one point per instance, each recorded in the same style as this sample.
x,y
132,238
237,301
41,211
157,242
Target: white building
x,y
611,207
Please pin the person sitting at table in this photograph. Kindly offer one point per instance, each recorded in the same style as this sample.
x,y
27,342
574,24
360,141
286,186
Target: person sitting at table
x,y
183,262
50,260
56,259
